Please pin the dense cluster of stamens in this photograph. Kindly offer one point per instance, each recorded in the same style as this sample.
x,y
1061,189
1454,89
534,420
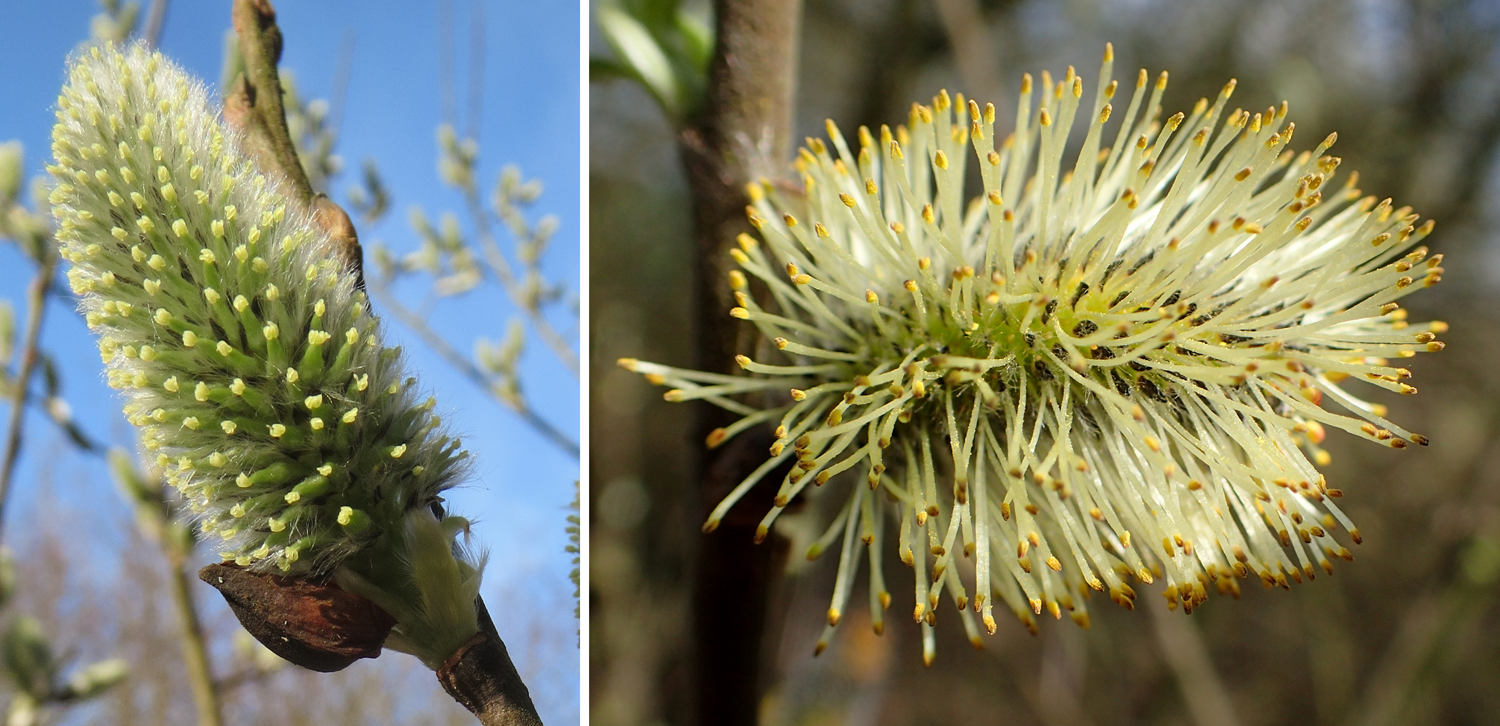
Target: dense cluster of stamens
x,y
1119,370
247,356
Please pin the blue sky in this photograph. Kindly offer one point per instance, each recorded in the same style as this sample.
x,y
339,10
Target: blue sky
x,y
393,106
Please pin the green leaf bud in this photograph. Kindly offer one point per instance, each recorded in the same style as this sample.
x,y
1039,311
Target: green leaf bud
x,y
28,657
95,678
12,166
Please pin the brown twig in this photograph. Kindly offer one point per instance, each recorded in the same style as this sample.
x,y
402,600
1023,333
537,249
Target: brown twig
x,y
30,354
194,648
742,133
253,103
480,676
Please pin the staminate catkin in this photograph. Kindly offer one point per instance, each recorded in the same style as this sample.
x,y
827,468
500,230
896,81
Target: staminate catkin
x,y
1115,363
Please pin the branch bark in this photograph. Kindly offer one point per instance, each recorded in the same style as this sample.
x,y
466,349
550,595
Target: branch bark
x,y
253,105
742,133
30,353
194,649
482,678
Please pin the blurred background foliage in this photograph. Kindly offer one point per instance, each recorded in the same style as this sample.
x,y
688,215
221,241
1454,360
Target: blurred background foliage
x,y
1404,635
102,620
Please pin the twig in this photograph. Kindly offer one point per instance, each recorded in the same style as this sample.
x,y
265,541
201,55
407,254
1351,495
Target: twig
x,y
447,76
1183,649
491,247
429,336
30,354
253,103
743,132
342,70
1058,695
496,260
194,649
156,19
83,442
241,678
157,521
476,66
481,676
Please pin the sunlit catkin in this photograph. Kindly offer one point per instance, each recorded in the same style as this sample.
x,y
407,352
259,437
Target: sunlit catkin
x,y
245,353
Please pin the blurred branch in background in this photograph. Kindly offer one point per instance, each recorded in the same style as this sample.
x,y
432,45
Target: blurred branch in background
x,y
31,231
1183,649
973,46
160,521
36,305
449,258
476,69
116,21
156,20
35,672
458,264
